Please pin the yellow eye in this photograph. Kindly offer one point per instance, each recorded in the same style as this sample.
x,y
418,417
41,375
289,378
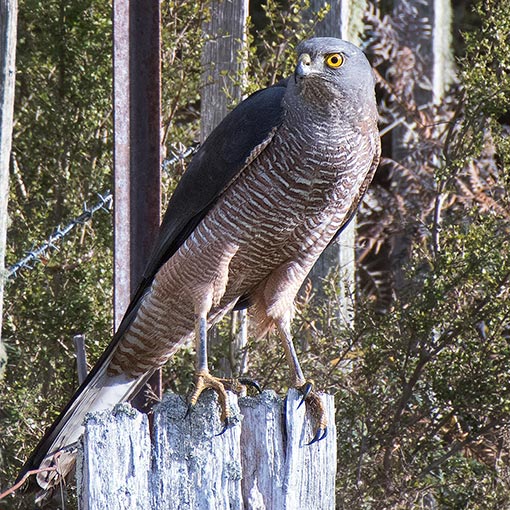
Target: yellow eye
x,y
334,60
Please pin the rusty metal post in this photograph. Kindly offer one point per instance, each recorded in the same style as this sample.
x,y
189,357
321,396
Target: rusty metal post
x,y
137,145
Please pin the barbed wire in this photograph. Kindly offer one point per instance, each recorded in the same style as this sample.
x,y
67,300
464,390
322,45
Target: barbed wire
x,y
105,203
34,256
178,156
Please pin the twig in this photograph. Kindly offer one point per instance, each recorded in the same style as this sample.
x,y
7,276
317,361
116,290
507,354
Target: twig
x,y
456,447
436,225
17,485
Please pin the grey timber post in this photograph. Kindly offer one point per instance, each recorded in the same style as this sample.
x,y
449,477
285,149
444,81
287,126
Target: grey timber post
x,y
261,463
225,36
344,20
113,465
225,39
8,21
434,54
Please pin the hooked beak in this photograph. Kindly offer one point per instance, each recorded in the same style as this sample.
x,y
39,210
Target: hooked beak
x,y
304,66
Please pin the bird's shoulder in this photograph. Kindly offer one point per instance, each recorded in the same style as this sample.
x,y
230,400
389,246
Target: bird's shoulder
x,y
217,162
234,142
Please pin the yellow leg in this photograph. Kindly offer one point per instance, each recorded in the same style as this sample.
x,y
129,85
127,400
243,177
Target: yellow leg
x,y
204,380
312,400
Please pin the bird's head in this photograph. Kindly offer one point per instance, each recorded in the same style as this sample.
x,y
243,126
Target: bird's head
x,y
332,72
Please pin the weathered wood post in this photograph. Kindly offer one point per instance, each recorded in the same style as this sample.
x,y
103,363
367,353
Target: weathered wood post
x,y
8,20
427,77
112,468
225,38
343,21
261,463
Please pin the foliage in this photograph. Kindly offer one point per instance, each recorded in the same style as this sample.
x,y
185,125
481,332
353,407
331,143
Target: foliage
x,y
424,405
62,158
180,58
271,45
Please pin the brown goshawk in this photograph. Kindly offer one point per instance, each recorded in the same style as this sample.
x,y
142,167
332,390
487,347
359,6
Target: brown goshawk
x,y
269,189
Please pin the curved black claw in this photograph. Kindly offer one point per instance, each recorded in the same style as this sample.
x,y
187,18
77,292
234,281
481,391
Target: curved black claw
x,y
250,382
227,423
306,389
316,408
319,436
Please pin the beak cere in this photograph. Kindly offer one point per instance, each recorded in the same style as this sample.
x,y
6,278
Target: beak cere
x,y
304,66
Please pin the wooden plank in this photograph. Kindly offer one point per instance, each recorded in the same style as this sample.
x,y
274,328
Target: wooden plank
x,y
263,452
309,487
280,470
443,72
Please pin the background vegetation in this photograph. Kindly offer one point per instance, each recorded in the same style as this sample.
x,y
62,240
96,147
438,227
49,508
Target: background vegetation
x,y
422,378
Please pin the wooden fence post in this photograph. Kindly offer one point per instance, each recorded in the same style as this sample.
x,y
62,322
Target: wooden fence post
x,y
225,38
8,22
432,54
343,21
261,463
113,464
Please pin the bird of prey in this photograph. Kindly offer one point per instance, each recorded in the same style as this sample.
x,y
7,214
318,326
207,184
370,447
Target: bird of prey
x,y
269,189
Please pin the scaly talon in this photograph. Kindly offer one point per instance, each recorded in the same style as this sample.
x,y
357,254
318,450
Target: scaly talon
x,y
317,410
227,423
250,382
319,435
204,380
